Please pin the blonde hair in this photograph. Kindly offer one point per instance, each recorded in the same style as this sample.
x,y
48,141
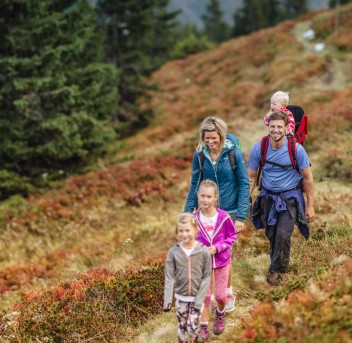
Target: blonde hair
x,y
209,183
211,124
281,97
185,218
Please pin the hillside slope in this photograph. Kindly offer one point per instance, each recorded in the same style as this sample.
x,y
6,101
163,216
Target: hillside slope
x,y
112,217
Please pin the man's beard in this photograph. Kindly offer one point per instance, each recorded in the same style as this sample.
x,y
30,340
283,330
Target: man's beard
x,y
277,139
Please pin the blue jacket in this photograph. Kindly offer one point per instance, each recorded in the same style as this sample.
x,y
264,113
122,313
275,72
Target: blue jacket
x,y
233,187
262,216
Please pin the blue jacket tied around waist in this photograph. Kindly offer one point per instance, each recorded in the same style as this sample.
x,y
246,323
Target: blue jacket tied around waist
x,y
233,187
263,216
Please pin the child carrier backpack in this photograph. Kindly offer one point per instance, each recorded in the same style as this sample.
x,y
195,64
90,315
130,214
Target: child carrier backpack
x,y
301,122
292,147
301,131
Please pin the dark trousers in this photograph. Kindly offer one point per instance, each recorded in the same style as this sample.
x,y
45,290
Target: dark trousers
x,y
280,238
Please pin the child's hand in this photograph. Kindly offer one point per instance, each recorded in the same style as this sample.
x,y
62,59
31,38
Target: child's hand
x,y
213,249
268,114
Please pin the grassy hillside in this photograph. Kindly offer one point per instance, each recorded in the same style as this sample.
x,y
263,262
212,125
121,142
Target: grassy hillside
x,y
70,259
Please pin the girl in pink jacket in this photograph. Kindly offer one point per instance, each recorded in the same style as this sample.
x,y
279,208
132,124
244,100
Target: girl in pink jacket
x,y
217,232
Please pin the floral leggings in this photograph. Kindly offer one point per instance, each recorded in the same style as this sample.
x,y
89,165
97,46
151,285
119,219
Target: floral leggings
x,y
187,317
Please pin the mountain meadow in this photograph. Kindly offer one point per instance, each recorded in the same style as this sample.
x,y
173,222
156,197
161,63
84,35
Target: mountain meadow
x,y
84,261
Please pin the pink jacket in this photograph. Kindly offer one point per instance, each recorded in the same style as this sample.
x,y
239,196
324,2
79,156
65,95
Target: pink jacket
x,y
223,239
291,121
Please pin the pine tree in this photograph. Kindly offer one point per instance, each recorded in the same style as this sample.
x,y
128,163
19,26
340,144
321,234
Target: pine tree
x,y
250,17
294,8
258,14
139,40
214,25
55,92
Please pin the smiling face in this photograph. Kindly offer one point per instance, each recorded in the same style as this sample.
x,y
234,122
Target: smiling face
x,y
207,197
213,140
276,105
277,130
186,233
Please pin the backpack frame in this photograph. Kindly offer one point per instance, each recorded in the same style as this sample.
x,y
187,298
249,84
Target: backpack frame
x,y
301,122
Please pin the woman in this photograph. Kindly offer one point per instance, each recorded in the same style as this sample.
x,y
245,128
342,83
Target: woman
x,y
212,160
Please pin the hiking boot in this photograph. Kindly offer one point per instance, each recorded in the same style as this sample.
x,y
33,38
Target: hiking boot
x,y
273,278
230,305
219,324
203,333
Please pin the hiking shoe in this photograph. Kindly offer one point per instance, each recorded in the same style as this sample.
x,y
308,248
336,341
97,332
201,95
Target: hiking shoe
x,y
219,324
203,333
230,305
273,278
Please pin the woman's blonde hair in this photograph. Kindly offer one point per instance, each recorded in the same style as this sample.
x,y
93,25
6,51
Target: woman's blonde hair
x,y
211,124
185,218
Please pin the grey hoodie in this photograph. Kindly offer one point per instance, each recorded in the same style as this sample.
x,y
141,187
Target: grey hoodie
x,y
189,275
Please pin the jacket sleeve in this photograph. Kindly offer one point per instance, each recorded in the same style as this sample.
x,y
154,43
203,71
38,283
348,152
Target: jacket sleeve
x,y
169,280
205,283
243,186
231,236
291,122
192,201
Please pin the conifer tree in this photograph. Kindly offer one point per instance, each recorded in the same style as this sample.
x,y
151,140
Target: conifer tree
x,y
214,25
294,8
139,40
55,92
258,14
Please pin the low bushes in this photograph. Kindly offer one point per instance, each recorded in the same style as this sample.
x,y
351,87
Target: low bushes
x,y
96,304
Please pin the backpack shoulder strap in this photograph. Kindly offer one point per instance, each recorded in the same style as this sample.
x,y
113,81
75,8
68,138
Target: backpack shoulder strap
x,y
263,151
232,159
232,152
292,147
201,164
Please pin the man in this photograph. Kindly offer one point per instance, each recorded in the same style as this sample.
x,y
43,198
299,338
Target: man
x,y
280,202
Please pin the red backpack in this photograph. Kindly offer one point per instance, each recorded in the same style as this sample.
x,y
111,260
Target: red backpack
x,y
301,130
301,120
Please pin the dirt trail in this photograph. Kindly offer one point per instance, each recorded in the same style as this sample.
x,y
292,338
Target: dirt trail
x,y
338,71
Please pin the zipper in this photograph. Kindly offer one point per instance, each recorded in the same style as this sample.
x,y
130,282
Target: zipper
x,y
213,256
189,276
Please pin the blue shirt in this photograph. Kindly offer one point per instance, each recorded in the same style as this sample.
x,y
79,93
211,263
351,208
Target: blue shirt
x,y
275,178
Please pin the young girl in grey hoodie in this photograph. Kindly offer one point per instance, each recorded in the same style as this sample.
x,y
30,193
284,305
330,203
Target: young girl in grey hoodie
x,y
188,274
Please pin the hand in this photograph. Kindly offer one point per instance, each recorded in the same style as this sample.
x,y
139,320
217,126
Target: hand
x,y
269,112
213,249
310,213
239,226
167,309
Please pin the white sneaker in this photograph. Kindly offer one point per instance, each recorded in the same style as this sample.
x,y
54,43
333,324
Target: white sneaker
x,y
230,305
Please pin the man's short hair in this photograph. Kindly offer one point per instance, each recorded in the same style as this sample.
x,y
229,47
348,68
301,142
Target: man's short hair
x,y
278,115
